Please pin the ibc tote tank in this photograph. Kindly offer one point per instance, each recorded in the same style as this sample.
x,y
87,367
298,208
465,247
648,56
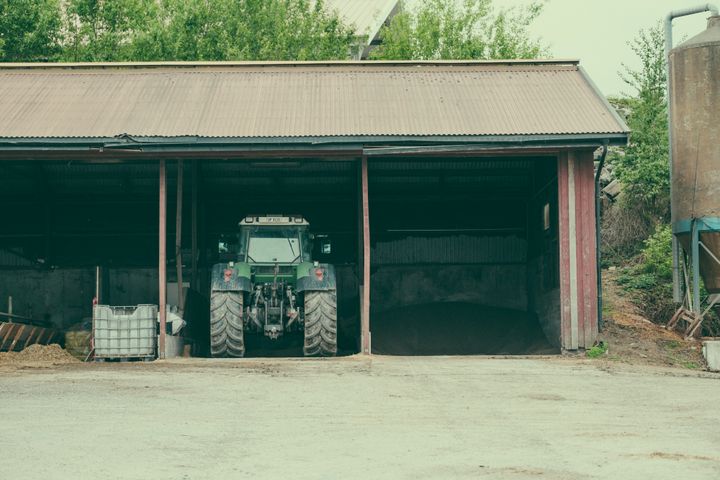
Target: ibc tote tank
x,y
695,99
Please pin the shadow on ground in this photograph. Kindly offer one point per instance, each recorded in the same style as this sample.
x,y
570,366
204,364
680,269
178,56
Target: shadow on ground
x,y
457,329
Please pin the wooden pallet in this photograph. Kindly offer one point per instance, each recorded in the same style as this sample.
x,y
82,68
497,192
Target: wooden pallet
x,y
16,336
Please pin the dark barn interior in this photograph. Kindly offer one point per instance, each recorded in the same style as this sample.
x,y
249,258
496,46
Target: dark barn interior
x,y
452,257
461,262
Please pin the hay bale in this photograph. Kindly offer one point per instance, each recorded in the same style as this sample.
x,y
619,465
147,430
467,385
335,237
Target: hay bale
x,y
78,343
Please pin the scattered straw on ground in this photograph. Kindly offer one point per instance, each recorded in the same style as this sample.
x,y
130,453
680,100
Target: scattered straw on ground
x,y
51,354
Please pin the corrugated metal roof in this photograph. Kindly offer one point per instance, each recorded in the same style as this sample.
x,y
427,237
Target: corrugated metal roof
x,y
302,100
367,16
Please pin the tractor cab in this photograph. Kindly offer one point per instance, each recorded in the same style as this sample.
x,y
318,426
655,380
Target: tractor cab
x,y
274,240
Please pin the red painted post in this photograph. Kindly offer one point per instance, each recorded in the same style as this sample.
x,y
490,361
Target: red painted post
x,y
586,245
162,262
365,312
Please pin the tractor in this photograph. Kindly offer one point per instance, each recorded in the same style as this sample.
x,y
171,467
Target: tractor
x,y
272,288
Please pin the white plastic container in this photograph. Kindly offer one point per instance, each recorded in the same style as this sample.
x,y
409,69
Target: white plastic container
x,y
124,332
711,351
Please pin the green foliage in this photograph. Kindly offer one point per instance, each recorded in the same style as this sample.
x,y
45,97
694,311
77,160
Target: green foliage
x,y
649,281
657,254
29,30
244,30
137,30
644,169
439,29
150,30
654,268
598,350
105,30
630,279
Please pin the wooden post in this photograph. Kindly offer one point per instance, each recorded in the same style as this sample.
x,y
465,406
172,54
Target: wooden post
x,y
194,228
365,309
178,235
162,262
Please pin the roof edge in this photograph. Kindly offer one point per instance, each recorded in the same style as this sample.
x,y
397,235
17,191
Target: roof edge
x,y
289,64
191,143
604,100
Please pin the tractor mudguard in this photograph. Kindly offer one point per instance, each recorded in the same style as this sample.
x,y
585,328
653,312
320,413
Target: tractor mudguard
x,y
310,277
231,279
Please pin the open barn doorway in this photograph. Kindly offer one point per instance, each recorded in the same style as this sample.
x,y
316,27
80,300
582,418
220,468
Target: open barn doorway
x,y
324,193
464,255
81,231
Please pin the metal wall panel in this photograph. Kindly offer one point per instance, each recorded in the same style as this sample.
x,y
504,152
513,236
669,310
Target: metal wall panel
x,y
459,249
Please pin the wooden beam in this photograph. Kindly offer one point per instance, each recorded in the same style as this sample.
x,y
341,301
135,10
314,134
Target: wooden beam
x,y
178,235
365,309
194,228
8,331
162,254
17,337
28,340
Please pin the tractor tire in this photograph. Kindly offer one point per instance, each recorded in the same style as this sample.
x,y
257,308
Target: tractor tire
x,y
320,324
227,337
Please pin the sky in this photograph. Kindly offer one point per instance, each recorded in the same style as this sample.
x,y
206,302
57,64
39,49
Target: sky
x,y
597,32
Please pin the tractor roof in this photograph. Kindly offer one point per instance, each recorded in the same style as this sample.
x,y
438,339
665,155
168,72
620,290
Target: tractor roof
x,y
272,220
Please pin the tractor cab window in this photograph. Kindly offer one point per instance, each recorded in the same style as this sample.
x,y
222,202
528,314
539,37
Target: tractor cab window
x,y
273,245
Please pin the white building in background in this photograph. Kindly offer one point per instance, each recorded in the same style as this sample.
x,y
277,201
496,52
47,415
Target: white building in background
x,y
368,17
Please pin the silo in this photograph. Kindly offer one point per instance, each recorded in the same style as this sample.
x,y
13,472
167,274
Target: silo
x,y
695,107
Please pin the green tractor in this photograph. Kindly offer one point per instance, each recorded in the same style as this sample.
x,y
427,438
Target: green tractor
x,y
273,287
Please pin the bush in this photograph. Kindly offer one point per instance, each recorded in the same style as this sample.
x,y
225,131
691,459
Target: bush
x,y
598,350
649,280
657,254
624,227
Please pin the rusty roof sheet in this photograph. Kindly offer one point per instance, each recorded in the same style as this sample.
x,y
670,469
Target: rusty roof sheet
x,y
284,100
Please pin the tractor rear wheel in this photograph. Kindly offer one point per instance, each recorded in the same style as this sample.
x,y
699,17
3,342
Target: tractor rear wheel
x,y
226,324
320,324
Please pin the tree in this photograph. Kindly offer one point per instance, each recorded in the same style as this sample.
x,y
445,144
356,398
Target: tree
x,y
441,29
29,30
287,30
104,30
111,30
644,170
185,30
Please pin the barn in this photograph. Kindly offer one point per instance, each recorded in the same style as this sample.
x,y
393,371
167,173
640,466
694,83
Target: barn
x,y
457,199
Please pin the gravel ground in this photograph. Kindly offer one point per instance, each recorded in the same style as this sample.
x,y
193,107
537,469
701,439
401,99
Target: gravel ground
x,y
385,417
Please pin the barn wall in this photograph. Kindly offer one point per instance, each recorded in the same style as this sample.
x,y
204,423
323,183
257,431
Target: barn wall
x,y
578,286
64,296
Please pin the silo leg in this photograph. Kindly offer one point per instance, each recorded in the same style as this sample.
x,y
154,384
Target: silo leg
x,y
695,248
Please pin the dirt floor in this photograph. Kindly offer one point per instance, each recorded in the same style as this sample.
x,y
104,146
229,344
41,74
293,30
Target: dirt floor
x,y
358,417
635,340
457,328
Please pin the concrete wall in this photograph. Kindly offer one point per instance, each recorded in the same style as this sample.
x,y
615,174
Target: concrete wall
x,y
64,296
